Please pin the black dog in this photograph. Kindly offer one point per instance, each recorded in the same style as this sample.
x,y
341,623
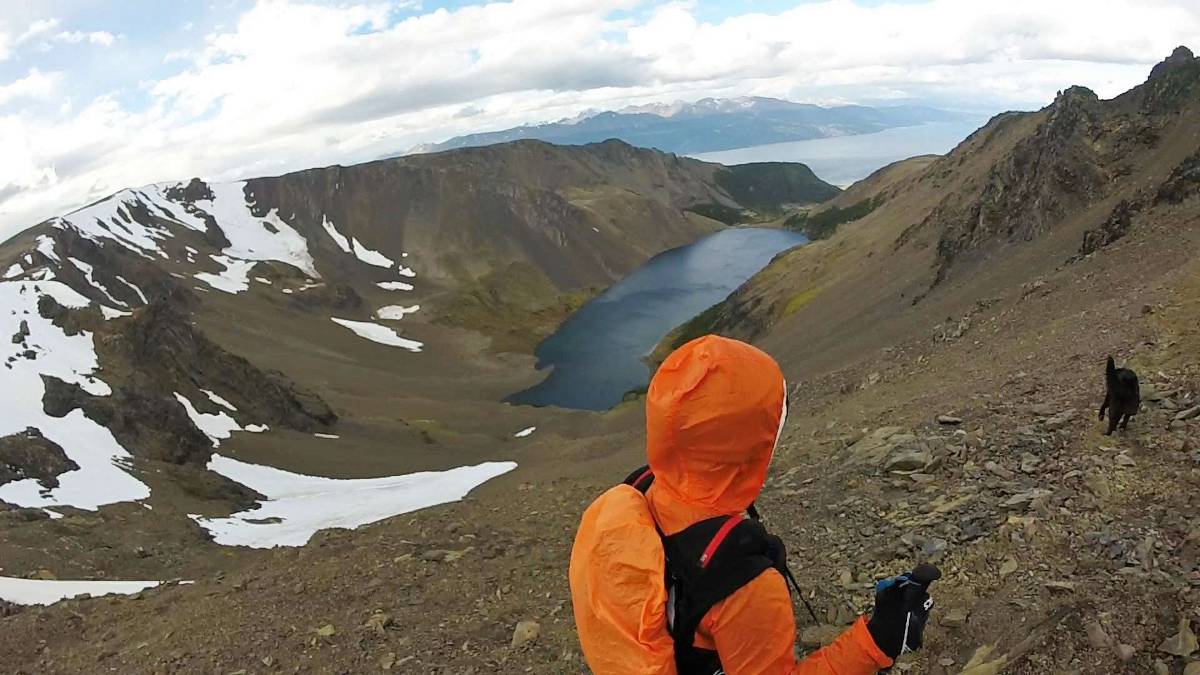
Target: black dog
x,y
1122,397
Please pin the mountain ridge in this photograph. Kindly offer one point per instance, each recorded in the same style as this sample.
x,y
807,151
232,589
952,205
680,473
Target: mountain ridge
x,y
707,125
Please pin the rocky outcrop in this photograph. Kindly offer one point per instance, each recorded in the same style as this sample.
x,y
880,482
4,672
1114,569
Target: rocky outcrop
x,y
1113,228
158,353
1054,172
1172,83
31,455
1183,183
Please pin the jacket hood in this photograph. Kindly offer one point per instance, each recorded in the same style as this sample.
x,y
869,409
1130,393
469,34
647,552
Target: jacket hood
x,y
714,411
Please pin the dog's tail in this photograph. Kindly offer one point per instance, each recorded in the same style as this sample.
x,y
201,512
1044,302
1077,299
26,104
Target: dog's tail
x,y
1110,372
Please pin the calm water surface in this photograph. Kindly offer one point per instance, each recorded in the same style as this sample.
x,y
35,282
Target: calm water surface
x,y
844,159
596,355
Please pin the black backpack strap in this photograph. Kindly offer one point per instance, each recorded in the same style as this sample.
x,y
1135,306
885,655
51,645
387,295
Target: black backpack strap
x,y
707,563
711,560
640,479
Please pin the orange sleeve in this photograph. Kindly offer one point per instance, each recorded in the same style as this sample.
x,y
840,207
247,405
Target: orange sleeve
x,y
754,632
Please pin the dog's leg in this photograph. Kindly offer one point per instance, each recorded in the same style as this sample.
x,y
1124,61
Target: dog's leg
x,y
1113,418
1125,420
1104,406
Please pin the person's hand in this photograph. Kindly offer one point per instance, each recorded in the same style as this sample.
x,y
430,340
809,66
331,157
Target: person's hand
x,y
902,605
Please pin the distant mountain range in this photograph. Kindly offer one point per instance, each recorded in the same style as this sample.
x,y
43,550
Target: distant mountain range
x,y
709,125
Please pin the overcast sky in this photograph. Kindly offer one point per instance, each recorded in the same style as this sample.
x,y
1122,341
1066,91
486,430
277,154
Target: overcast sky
x,y
97,95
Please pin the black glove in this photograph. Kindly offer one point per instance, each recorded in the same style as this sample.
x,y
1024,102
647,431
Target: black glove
x,y
902,607
776,551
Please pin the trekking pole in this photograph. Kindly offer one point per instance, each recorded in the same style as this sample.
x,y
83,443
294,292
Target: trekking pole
x,y
788,572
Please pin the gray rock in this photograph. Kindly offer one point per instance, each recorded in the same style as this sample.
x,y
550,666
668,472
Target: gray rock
x,y
1097,637
1043,410
908,460
949,420
1182,643
1008,567
1125,652
1188,414
1192,668
525,633
956,617
1060,420
999,470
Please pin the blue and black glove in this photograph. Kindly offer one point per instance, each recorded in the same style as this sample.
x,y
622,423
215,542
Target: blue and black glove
x,y
902,605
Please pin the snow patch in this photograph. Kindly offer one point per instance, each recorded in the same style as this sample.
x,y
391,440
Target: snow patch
x,y
406,272
376,333
394,285
370,257
40,592
135,289
525,432
110,313
233,280
395,312
217,427
338,238
327,436
91,279
253,238
45,246
14,270
212,396
263,280
257,428
297,506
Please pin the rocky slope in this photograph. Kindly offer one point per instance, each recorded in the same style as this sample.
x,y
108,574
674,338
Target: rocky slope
x,y
1020,197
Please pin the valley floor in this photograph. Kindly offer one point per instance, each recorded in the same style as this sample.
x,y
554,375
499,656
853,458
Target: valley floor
x,y
1063,550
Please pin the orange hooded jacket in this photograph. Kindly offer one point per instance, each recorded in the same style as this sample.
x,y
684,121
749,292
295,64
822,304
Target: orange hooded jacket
x,y
714,411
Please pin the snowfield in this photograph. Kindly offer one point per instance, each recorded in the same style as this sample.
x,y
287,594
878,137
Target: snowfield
x,y
39,592
297,506
102,476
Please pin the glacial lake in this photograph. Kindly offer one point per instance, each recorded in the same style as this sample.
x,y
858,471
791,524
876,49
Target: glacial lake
x,y
596,356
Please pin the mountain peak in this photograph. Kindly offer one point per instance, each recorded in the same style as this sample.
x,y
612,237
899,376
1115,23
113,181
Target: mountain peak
x,y
1172,82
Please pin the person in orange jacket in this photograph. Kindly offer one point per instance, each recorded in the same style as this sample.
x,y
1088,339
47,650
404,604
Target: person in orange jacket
x,y
673,578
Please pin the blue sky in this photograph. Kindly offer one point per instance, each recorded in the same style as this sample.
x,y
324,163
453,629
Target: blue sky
x,y
97,95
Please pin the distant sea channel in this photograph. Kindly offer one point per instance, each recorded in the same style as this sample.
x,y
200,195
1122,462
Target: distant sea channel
x,y
841,160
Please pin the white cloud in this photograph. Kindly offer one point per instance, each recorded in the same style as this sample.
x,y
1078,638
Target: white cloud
x,y
100,37
290,84
35,84
39,27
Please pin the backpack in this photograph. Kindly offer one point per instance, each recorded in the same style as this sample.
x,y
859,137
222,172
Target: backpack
x,y
640,596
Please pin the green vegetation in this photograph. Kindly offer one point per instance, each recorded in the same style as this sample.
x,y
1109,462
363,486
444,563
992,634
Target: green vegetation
x,y
700,325
768,186
516,305
823,224
799,300
719,213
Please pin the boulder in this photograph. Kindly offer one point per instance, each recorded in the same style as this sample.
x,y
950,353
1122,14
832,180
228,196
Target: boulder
x,y
1182,643
525,633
